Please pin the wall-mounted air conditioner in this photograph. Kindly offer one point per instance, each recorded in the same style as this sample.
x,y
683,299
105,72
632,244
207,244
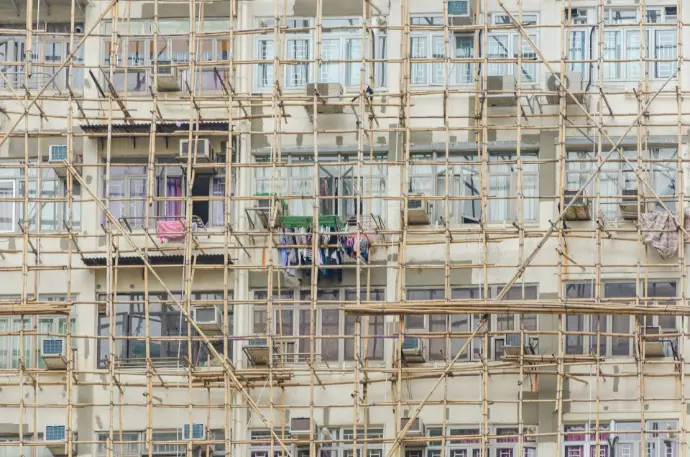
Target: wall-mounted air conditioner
x,y
653,345
168,77
204,152
460,12
505,85
257,352
416,427
56,440
198,432
328,98
417,210
413,350
53,353
57,153
572,80
579,210
209,319
512,345
300,428
628,205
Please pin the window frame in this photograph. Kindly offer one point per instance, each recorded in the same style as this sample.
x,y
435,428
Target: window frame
x,y
511,48
292,177
167,309
148,61
580,164
463,165
475,350
59,208
430,69
295,338
589,322
34,341
623,70
344,36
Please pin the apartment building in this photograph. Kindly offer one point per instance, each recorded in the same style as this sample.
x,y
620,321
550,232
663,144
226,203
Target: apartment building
x,y
444,228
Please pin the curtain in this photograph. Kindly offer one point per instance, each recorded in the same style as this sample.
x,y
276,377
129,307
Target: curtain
x,y
173,209
612,51
354,69
330,50
418,47
6,208
18,324
4,344
218,206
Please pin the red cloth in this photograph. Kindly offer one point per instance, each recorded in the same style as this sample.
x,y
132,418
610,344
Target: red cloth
x,y
170,230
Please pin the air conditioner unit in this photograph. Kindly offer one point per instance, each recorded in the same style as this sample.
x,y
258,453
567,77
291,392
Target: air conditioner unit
x,y
505,84
572,80
416,427
413,349
628,205
168,77
300,427
57,153
460,12
327,98
209,319
653,347
579,209
417,210
257,351
56,440
198,432
512,345
53,354
204,152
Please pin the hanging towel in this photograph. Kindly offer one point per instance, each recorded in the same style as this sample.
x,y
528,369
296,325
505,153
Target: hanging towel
x,y
170,230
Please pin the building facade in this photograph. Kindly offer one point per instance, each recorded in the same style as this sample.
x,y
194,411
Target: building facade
x,y
308,227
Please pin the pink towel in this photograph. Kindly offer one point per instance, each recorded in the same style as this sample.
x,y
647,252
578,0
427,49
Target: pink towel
x,y
170,230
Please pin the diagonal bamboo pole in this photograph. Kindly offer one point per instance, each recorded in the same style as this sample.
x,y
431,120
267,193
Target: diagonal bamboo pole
x,y
58,71
615,148
444,375
227,366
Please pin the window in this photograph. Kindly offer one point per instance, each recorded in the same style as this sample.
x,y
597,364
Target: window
x,y
165,320
14,348
617,178
581,440
450,332
341,53
334,340
580,42
456,445
430,45
136,56
262,442
125,192
337,180
505,45
373,448
626,43
54,214
48,52
466,442
508,442
661,438
128,190
576,324
133,443
430,175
